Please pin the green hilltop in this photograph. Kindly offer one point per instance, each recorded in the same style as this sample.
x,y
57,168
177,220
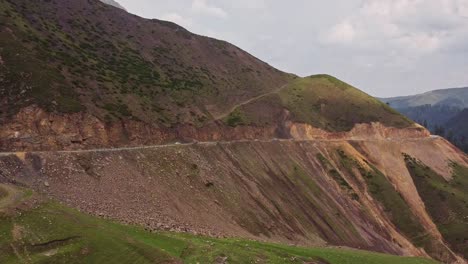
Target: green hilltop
x,y
322,101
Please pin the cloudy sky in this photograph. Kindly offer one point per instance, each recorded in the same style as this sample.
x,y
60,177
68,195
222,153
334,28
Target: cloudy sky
x,y
384,47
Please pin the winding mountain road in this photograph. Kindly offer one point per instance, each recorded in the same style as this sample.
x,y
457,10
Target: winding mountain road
x,y
221,116
213,143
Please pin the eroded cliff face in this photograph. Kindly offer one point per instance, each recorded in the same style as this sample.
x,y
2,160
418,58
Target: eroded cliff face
x,y
373,131
290,191
35,129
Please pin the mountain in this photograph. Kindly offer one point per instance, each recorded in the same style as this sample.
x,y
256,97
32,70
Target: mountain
x,y
443,112
459,122
355,193
109,78
446,121
456,129
130,140
115,65
455,97
431,116
321,101
113,3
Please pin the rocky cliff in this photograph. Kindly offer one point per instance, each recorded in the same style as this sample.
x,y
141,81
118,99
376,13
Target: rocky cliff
x,y
35,129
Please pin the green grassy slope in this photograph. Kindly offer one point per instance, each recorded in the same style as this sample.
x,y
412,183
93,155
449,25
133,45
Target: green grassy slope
x,y
446,201
52,233
322,101
329,103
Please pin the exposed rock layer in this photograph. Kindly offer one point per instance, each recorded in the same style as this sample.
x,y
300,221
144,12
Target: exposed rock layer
x,y
35,129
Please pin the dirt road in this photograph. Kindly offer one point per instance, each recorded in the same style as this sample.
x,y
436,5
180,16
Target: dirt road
x,y
208,143
221,116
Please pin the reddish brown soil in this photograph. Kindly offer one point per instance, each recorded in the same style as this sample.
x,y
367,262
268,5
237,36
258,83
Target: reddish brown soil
x,y
273,191
35,129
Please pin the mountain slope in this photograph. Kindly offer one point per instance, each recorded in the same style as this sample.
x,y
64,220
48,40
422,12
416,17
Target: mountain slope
x,y
431,116
459,123
149,124
456,130
83,74
356,193
443,112
321,101
455,97
52,233
72,56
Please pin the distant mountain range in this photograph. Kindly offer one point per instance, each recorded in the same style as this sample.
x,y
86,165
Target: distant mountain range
x,y
455,97
444,112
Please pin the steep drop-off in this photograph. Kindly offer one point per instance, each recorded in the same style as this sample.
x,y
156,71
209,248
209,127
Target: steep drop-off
x,y
351,193
36,230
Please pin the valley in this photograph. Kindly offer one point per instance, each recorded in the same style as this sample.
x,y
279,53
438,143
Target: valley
x,y
444,112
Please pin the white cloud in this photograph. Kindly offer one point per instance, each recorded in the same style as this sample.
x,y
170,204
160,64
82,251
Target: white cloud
x,y
386,47
178,19
343,32
407,27
462,8
202,7
421,42
247,4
